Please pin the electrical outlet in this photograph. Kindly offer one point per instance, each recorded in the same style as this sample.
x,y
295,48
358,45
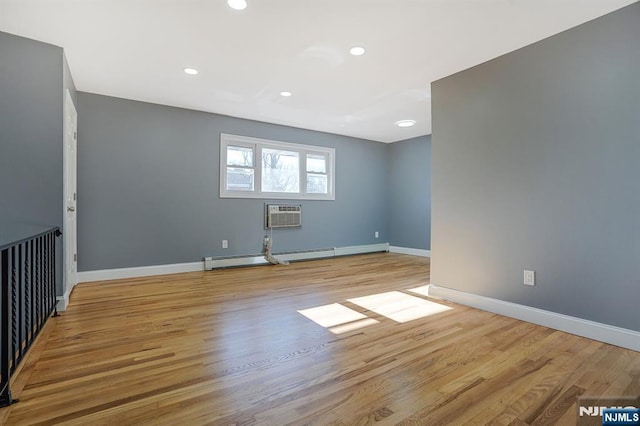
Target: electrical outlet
x,y
377,234
225,244
529,277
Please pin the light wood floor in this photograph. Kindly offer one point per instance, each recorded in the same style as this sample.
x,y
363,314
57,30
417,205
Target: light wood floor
x,y
229,347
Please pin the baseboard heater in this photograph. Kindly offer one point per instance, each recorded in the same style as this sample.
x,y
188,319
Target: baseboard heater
x,y
258,259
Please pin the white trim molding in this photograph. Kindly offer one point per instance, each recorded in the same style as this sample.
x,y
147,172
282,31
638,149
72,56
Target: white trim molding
x,y
141,271
411,251
63,301
618,336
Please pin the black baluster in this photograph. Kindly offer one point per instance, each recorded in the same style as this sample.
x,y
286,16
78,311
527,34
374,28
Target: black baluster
x,y
26,296
5,391
14,302
52,285
44,283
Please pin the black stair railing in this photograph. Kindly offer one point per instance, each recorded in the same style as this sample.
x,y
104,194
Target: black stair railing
x,y
27,298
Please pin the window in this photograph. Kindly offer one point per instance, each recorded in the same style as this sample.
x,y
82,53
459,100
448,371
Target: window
x,y
260,168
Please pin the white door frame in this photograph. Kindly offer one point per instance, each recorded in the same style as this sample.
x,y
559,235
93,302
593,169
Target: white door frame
x,y
69,204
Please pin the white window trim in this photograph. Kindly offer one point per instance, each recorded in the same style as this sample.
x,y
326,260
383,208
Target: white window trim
x,y
257,144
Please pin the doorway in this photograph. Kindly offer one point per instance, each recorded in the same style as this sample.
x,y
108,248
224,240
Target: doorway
x,y
70,241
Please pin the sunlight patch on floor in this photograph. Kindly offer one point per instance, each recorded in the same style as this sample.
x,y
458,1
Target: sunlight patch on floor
x,y
398,306
332,315
355,325
395,305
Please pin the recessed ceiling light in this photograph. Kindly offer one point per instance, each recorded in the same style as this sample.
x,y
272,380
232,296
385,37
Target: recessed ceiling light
x,y
405,123
237,4
191,71
285,93
357,51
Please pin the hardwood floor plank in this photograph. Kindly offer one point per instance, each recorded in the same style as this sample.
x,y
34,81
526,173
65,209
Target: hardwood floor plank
x,y
230,347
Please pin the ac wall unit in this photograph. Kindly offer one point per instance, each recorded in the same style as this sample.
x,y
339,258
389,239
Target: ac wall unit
x,y
283,216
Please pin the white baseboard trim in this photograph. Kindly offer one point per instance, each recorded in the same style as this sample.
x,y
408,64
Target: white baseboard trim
x,y
142,271
63,301
411,251
618,336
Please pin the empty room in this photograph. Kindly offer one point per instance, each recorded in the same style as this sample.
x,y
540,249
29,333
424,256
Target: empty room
x,y
270,212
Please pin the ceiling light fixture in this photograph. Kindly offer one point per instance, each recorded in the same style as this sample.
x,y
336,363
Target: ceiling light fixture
x,y
191,71
285,93
357,50
237,4
405,123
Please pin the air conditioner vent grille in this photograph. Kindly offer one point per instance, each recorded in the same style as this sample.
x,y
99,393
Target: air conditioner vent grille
x,y
283,216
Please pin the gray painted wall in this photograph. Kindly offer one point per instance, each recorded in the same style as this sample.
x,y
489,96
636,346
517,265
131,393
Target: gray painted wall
x,y
30,131
410,193
535,166
31,148
148,188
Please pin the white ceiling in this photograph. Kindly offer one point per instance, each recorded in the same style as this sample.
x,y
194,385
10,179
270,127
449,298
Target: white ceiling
x,y
137,49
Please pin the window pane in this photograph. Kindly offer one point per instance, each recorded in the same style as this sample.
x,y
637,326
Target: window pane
x,y
239,179
239,156
280,171
316,163
316,184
